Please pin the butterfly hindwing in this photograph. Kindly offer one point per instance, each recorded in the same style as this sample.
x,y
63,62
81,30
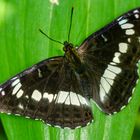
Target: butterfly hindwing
x,y
112,54
46,92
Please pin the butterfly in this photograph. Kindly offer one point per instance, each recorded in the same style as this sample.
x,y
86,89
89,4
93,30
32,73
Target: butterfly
x,y
58,90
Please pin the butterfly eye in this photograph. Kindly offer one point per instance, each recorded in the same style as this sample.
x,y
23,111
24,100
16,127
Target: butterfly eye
x,y
66,43
64,49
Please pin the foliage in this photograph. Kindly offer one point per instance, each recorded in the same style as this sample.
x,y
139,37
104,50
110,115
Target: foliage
x,y
22,45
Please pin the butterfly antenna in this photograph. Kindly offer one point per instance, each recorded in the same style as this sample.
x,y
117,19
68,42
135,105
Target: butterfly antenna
x,y
70,24
50,37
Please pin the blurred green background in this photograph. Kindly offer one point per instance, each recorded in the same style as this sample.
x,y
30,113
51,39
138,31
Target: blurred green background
x,y
22,45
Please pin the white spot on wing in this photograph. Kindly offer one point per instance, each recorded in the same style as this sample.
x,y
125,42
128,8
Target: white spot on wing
x,y
20,106
114,69
129,32
122,21
136,15
127,26
102,93
129,40
27,96
119,18
129,99
67,102
37,119
8,113
17,114
123,107
39,73
123,47
20,93
62,96
71,98
48,96
36,95
116,57
14,78
115,112
105,85
77,127
112,63
74,99
3,93
16,88
136,11
109,74
139,41
133,90
15,82
110,81
105,39
83,100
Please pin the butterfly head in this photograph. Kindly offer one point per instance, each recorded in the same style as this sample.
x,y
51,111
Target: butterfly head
x,y
67,46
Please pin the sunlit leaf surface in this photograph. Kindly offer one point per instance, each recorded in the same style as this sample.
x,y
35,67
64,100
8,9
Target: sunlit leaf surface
x,y
22,45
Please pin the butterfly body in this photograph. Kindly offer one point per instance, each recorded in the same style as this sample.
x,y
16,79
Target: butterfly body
x,y
72,57
58,90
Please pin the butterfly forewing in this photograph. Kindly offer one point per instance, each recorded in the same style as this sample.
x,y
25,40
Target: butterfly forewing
x,y
17,92
112,55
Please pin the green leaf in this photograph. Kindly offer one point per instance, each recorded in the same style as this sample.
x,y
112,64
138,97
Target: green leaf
x,y
22,45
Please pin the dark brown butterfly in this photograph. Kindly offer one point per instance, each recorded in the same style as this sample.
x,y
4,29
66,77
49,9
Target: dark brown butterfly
x,y
57,90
